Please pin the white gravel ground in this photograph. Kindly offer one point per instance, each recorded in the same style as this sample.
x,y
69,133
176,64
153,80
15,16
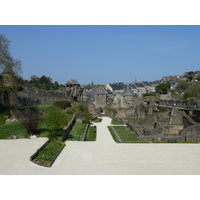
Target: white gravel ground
x,y
102,157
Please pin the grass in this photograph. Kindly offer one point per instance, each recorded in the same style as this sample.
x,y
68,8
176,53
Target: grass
x,y
98,120
91,134
123,134
49,152
12,129
115,121
113,134
43,129
16,129
76,133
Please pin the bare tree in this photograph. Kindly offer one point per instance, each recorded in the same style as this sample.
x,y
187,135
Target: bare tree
x,y
10,69
30,118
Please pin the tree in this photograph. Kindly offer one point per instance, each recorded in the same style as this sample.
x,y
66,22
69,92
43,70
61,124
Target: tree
x,y
198,77
56,119
34,79
182,85
30,118
10,68
194,90
162,88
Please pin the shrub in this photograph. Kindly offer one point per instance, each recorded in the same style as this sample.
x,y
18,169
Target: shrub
x,y
62,104
4,113
56,134
56,119
87,119
30,118
69,112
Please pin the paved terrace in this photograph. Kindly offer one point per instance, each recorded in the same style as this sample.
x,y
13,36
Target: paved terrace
x,y
102,157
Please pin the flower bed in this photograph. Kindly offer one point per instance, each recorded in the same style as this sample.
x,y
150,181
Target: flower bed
x,y
49,153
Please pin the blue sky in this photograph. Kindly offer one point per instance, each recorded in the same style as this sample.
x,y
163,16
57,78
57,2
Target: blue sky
x,y
104,53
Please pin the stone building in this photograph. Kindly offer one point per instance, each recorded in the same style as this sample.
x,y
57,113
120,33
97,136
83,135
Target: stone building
x,y
74,90
100,98
128,95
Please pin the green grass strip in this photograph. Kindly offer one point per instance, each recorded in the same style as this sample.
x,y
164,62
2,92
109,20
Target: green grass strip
x,y
49,152
76,133
91,135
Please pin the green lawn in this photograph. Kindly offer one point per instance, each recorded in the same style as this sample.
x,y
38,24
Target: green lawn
x,y
12,129
91,134
98,120
115,121
113,134
76,133
125,136
16,129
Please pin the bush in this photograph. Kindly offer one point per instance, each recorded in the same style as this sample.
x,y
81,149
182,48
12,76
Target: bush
x,y
4,113
62,104
30,118
53,134
56,119
87,119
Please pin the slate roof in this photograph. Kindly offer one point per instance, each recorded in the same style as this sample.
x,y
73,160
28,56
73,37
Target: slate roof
x,y
139,85
133,86
72,82
100,91
147,83
127,91
116,86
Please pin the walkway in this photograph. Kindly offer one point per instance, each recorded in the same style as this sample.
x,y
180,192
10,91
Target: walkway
x,y
102,157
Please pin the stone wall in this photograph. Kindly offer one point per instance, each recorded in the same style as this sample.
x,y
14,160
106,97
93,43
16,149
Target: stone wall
x,y
32,97
100,100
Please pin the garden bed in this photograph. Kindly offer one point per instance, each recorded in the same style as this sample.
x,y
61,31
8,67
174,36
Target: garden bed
x,y
47,154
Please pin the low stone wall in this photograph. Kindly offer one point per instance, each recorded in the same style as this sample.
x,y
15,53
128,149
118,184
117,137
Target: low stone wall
x,y
68,128
85,132
40,149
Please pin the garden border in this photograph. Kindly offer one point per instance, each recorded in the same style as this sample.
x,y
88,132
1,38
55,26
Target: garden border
x,y
42,147
85,132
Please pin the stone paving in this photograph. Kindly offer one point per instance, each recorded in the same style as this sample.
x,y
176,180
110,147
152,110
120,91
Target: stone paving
x,y
102,157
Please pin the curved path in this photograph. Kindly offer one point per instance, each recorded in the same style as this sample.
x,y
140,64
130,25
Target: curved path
x,y
103,156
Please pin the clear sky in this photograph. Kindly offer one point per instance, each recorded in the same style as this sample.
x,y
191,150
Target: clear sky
x,y
104,53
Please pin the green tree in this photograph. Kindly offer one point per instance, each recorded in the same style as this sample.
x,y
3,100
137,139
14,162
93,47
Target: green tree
x,y
162,88
182,85
194,91
56,119
55,85
198,77
10,69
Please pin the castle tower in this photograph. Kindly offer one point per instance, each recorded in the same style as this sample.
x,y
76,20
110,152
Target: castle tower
x,y
128,95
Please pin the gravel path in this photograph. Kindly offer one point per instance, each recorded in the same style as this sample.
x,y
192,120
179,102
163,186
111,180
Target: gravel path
x,y
102,157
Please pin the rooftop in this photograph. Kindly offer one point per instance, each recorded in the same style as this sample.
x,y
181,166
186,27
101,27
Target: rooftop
x,y
72,82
